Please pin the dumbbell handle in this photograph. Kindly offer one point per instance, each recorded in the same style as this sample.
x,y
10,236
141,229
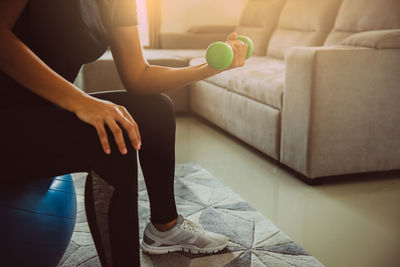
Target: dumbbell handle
x,y
249,43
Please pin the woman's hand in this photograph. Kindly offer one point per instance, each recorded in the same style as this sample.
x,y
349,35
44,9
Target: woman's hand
x,y
239,50
99,113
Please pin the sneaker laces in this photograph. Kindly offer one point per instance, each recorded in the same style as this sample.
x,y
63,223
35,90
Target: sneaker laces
x,y
192,226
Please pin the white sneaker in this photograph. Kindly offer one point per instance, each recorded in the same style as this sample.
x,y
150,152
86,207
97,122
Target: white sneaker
x,y
185,236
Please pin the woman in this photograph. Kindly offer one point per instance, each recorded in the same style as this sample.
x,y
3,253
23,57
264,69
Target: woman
x,y
50,127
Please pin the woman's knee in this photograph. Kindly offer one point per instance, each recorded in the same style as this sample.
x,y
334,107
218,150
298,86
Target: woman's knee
x,y
163,105
164,112
155,105
156,110
167,102
152,113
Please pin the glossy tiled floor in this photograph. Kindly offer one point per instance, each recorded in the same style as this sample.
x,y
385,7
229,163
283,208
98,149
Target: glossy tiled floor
x,y
353,222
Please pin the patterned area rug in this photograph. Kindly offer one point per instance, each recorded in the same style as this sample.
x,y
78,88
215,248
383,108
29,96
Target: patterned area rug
x,y
254,240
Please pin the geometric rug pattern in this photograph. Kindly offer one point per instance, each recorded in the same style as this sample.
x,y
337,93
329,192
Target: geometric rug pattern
x,y
253,240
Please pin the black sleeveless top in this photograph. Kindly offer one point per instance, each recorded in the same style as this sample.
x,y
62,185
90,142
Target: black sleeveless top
x,y
65,34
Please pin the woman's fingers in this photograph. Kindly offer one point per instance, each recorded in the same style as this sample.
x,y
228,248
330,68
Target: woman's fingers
x,y
104,113
239,50
133,131
125,113
101,132
118,135
125,120
232,36
132,128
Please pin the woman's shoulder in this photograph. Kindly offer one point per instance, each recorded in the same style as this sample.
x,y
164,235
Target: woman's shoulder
x,y
119,12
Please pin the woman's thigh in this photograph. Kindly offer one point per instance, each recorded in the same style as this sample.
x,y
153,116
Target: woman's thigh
x,y
45,141
48,141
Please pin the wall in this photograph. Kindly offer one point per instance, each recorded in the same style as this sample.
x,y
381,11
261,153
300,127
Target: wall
x,y
179,15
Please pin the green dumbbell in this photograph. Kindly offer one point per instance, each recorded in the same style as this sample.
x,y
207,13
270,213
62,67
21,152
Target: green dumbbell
x,y
220,55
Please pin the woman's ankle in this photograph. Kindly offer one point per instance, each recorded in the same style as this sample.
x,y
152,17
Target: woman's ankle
x,y
165,226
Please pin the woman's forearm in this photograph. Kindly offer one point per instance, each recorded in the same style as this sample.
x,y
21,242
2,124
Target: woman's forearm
x,y
21,64
157,79
141,78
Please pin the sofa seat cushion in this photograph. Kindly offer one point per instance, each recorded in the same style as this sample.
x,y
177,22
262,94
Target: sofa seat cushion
x,y
261,79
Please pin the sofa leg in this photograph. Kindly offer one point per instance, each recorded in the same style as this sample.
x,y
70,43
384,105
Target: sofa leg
x,y
302,177
309,181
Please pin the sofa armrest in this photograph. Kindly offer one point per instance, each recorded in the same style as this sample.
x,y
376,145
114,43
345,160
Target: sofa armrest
x,y
341,111
189,40
380,39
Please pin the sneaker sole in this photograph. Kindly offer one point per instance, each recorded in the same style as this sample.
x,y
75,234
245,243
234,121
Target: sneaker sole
x,y
184,248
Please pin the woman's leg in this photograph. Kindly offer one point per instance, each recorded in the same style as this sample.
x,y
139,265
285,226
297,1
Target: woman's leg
x,y
157,158
110,221
155,117
47,141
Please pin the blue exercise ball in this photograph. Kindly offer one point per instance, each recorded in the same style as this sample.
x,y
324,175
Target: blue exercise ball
x,y
37,219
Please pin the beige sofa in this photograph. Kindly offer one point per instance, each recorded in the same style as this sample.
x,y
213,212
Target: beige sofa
x,y
322,92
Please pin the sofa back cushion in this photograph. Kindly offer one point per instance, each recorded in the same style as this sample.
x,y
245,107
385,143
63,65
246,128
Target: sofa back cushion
x,y
364,15
303,23
258,21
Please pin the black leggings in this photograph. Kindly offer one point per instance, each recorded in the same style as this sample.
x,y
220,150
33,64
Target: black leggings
x,y
45,141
